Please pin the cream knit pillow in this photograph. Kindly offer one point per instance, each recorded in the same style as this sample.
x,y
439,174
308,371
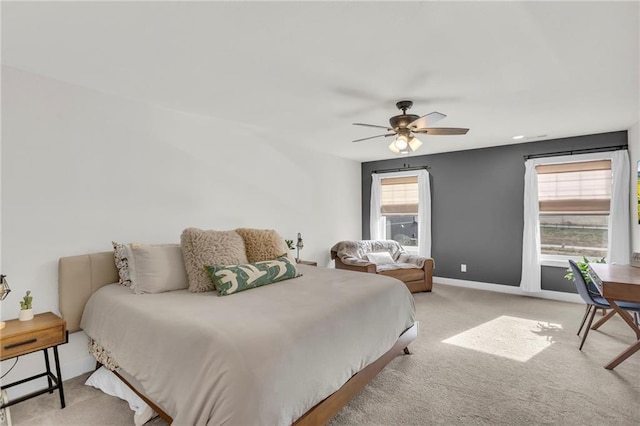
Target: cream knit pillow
x,y
200,248
263,244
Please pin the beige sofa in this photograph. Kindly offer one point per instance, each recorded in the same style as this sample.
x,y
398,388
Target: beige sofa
x,y
415,271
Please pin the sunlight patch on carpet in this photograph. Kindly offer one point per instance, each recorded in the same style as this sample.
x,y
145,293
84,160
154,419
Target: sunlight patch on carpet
x,y
514,338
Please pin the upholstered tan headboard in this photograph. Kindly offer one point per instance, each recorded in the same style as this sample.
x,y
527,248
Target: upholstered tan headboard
x,y
78,278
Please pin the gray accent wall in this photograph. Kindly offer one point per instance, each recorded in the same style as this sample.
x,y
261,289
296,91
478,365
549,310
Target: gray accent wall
x,y
477,207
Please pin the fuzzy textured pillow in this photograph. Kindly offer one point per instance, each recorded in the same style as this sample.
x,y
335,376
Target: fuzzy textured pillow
x,y
234,278
263,244
200,248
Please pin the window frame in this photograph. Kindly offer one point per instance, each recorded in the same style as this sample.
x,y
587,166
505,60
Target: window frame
x,y
383,216
556,167
619,246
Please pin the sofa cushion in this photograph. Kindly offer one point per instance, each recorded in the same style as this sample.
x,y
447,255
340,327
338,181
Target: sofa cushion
x,y
405,275
383,258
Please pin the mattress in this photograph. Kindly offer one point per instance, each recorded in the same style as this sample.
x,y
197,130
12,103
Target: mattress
x,y
263,356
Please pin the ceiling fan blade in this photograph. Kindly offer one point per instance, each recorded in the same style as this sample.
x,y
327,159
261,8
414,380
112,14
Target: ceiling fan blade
x,y
426,120
372,125
442,131
373,137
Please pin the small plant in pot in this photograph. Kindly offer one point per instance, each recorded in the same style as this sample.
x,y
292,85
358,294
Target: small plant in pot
x,y
584,268
26,307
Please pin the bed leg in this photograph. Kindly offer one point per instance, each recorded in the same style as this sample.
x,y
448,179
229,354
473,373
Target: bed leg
x,y
407,351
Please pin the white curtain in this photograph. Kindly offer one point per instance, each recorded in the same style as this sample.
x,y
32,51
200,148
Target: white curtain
x,y
376,230
424,214
619,220
530,281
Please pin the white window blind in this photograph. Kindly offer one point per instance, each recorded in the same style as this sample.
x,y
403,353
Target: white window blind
x,y
399,196
575,188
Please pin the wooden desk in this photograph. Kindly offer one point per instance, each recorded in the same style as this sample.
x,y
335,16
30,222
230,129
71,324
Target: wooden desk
x,y
622,283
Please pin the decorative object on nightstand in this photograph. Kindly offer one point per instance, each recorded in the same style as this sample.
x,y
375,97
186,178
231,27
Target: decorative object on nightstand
x,y
290,245
306,262
19,338
4,291
299,246
26,307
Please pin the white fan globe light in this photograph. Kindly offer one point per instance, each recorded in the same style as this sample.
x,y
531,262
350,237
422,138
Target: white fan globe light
x,y
401,143
393,148
414,144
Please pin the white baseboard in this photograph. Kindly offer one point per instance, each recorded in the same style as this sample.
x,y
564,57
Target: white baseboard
x,y
500,288
68,371
77,367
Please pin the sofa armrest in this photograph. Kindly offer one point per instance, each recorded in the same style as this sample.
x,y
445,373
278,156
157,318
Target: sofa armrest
x,y
427,265
357,265
428,273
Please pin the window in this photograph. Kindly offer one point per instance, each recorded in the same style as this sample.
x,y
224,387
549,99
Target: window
x,y
574,205
399,210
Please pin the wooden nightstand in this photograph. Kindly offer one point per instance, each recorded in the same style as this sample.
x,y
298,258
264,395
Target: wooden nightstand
x,y
306,262
44,331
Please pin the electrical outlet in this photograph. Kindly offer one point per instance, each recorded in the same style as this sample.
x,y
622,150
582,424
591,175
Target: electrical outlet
x,y
463,267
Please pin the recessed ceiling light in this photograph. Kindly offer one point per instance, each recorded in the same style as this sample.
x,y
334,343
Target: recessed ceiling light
x,y
518,137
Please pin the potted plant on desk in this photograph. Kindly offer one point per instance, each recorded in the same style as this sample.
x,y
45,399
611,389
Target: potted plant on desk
x,y
584,268
26,307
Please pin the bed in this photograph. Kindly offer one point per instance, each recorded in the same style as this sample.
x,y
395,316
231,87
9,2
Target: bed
x,y
293,352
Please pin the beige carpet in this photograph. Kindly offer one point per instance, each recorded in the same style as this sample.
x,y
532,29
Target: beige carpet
x,y
481,358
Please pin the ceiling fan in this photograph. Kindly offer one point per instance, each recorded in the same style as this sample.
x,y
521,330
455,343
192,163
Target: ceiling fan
x,y
405,125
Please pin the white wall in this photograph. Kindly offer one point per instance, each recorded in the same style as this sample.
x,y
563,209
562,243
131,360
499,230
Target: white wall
x,y
634,157
81,168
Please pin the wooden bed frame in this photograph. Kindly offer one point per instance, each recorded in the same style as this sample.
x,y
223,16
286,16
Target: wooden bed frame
x,y
80,276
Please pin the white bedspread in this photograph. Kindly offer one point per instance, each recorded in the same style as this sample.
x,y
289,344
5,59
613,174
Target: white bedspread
x,y
262,356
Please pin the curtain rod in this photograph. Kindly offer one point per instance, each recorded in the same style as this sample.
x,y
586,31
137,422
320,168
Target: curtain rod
x,y
576,151
401,169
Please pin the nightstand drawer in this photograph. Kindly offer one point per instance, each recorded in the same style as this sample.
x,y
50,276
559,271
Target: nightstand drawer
x,y
24,343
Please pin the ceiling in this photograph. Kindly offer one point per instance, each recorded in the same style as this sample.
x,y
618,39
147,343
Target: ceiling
x,y
304,72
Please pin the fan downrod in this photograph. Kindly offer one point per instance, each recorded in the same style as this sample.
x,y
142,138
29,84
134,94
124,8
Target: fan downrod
x,y
404,105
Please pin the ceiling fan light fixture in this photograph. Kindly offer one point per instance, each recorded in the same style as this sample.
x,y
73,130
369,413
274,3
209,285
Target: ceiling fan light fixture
x,y
414,143
393,148
403,126
401,143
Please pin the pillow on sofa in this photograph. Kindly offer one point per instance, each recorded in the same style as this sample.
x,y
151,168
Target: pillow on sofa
x,y
200,248
263,244
156,268
121,258
231,279
382,258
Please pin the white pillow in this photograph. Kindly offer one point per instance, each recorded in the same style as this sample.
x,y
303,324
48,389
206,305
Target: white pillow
x,y
110,384
156,268
382,258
